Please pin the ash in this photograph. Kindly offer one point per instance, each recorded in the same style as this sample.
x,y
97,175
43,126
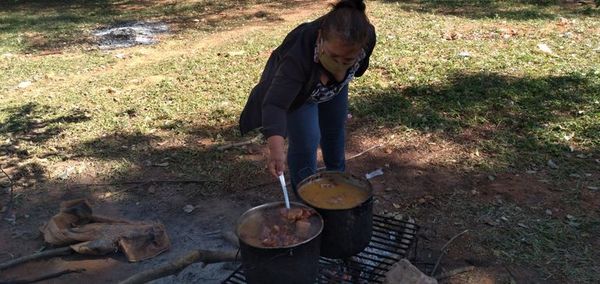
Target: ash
x,y
130,34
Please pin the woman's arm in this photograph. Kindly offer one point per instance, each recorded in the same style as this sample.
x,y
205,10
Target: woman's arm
x,y
284,89
276,162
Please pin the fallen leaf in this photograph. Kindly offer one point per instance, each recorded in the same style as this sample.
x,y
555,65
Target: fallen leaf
x,y
562,22
464,54
451,35
489,221
188,208
568,137
66,173
545,48
11,218
236,53
24,84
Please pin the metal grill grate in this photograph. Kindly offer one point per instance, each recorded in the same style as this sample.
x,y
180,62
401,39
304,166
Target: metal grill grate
x,y
391,241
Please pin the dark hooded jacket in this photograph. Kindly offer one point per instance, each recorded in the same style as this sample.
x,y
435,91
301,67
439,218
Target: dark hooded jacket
x,y
288,78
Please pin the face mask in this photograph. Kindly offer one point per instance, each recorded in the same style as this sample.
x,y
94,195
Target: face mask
x,y
338,70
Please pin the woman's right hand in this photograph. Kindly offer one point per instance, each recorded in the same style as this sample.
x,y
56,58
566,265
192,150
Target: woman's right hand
x,y
276,155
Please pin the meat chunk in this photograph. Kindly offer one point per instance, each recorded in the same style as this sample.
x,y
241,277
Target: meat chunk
x,y
290,227
295,214
302,228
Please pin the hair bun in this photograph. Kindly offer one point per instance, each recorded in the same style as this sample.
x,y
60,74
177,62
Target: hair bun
x,y
353,4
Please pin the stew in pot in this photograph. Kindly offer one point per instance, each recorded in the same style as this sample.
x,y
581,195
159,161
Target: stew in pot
x,y
279,227
332,192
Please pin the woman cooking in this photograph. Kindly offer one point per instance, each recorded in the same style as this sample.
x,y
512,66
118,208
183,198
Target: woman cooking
x,y
303,91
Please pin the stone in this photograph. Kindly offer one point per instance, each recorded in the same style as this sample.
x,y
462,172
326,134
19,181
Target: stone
x,y
24,84
403,272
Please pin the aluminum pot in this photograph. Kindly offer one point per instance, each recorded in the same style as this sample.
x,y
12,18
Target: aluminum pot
x,y
297,264
346,232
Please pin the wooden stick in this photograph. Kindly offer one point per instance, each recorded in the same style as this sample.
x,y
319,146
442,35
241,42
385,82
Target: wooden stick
x,y
36,256
363,152
231,238
238,144
146,182
357,155
437,263
45,277
454,272
205,256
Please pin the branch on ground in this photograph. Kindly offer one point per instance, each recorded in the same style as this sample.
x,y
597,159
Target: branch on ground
x,y
40,255
45,277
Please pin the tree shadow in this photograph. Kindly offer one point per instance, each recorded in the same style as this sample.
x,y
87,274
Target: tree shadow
x,y
509,10
31,124
195,159
26,122
54,25
518,119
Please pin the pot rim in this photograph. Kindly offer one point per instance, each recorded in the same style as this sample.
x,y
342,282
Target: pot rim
x,y
369,189
274,204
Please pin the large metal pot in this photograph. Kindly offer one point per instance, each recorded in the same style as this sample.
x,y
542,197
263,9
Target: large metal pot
x,y
298,263
348,231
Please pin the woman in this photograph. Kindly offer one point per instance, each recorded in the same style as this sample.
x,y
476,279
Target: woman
x,y
303,90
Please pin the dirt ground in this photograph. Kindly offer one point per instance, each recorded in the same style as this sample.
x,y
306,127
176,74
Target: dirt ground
x,y
414,183
411,185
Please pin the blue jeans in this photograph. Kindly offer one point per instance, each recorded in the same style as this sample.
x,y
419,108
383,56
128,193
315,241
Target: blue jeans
x,y
313,124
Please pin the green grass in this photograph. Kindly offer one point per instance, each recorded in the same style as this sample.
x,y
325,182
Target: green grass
x,y
559,247
555,247
32,26
521,101
521,107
